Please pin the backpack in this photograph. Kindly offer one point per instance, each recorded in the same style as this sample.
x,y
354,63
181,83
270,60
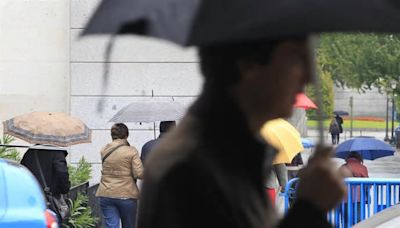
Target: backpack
x,y
334,128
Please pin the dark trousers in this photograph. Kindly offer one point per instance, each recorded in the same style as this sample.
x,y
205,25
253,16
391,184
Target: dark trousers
x,y
335,139
114,210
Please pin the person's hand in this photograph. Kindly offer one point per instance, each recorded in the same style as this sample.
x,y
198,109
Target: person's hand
x,y
320,183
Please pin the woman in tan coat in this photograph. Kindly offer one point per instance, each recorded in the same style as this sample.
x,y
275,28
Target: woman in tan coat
x,y
118,192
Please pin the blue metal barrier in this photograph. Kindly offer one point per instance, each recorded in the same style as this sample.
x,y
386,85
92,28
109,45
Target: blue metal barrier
x,y
365,197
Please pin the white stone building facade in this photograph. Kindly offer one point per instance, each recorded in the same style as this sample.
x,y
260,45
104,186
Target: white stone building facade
x,y
46,66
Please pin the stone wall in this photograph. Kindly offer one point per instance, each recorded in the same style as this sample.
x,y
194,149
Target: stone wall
x,y
370,103
34,56
139,70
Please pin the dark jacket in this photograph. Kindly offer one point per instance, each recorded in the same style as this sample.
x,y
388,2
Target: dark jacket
x,y
339,120
334,128
148,147
54,168
210,172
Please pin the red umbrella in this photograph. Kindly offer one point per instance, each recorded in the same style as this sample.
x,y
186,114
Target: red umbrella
x,y
302,101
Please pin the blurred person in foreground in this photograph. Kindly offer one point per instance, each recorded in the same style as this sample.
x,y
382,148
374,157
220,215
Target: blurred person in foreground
x,y
210,170
118,192
165,126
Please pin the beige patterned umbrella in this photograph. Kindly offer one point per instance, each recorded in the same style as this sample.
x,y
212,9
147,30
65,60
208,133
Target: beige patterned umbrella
x,y
54,128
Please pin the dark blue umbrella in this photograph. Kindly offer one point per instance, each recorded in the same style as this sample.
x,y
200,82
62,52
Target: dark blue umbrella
x,y
369,147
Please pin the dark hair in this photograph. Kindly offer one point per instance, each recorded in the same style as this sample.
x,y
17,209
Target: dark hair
x,y
166,126
355,155
219,63
119,131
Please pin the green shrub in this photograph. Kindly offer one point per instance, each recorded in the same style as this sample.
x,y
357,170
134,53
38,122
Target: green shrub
x,y
9,152
81,213
81,173
327,96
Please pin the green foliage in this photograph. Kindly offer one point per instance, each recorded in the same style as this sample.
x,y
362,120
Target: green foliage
x,y
9,152
81,214
81,173
327,95
361,61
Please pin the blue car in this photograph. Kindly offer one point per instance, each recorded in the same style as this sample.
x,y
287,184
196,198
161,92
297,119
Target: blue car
x,y
22,203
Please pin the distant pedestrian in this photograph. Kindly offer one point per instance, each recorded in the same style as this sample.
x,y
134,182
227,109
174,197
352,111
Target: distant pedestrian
x,y
118,192
334,129
165,126
339,120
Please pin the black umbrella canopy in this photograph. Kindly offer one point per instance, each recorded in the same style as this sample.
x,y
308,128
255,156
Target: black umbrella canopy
x,y
341,113
207,22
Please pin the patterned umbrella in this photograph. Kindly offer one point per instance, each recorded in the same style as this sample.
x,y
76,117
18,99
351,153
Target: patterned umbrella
x,y
52,128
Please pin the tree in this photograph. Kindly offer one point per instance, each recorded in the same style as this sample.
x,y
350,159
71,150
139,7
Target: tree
x,y
327,95
361,61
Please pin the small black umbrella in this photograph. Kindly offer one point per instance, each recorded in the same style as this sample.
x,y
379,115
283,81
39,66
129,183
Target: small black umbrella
x,y
341,113
203,22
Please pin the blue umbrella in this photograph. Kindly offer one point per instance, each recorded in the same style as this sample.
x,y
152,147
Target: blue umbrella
x,y
307,143
369,147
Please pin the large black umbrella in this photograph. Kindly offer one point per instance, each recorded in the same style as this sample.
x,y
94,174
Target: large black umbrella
x,y
202,22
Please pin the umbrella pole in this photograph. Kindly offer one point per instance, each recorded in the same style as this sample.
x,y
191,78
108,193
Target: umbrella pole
x,y
314,39
154,130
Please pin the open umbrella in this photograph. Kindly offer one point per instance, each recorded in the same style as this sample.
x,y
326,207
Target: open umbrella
x,y
194,22
302,101
284,137
370,148
53,128
307,143
341,113
150,111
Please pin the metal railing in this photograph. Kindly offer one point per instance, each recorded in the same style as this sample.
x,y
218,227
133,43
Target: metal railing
x,y
365,197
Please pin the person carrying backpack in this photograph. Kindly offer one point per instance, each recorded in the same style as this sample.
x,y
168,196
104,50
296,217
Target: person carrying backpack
x,y
334,129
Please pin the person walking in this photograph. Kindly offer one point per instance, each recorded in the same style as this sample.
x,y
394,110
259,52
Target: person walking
x,y
334,130
118,192
52,166
165,126
339,120
211,170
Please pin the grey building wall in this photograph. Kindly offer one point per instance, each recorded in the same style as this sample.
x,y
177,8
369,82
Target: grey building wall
x,y
370,103
140,70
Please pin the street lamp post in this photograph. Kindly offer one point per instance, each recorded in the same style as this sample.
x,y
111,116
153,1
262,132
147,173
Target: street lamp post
x,y
387,118
393,84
